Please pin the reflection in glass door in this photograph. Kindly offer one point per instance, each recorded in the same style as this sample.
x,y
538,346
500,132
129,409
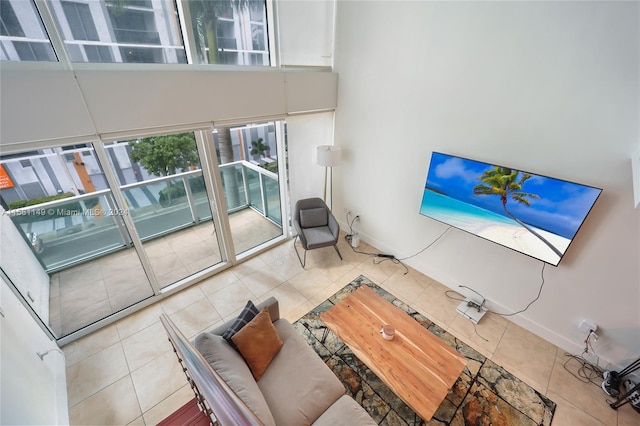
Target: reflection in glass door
x,y
248,165
71,255
162,183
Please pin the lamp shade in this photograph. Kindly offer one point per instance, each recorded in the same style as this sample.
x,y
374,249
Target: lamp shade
x,y
329,155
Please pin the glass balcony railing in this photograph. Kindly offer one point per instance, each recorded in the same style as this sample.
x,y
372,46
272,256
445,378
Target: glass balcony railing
x,y
161,205
66,232
260,190
69,231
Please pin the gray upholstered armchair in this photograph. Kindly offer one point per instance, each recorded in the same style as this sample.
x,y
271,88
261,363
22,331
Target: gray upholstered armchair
x,y
316,226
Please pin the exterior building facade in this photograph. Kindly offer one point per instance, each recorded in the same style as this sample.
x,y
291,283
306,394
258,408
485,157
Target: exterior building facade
x,y
134,31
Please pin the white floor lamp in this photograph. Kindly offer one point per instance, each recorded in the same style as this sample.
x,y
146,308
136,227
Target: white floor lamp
x,y
328,156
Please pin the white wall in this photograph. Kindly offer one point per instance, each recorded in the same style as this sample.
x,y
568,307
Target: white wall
x,y
305,32
304,134
22,267
32,390
548,87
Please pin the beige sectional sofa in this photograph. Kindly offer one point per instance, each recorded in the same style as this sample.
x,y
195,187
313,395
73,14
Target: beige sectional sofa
x,y
296,389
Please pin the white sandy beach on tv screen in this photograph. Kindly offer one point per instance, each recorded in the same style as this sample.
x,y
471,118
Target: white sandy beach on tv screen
x,y
518,238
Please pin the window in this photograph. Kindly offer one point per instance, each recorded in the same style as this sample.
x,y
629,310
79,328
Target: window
x,y
257,12
226,36
232,35
22,34
131,31
257,37
148,227
83,28
134,26
98,54
142,31
10,25
258,28
80,20
140,3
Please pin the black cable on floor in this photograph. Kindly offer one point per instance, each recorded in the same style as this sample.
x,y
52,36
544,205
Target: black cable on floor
x,y
587,372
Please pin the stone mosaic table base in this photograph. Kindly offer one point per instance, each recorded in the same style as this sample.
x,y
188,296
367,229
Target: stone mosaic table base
x,y
484,394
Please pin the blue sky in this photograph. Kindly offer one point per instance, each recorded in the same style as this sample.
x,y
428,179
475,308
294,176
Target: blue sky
x,y
561,208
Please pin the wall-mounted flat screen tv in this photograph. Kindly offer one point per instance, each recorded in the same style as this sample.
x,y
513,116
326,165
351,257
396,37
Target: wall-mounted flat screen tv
x,y
532,214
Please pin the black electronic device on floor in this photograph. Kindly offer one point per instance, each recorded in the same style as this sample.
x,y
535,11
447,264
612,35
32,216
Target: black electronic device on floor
x,y
612,382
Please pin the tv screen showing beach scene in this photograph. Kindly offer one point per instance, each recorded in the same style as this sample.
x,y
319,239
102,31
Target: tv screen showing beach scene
x,y
532,214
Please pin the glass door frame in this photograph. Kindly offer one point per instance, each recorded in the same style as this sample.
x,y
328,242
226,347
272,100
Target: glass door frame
x,y
208,161
283,187
209,164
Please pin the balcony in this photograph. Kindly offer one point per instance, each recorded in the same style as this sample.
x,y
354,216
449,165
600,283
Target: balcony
x,y
87,248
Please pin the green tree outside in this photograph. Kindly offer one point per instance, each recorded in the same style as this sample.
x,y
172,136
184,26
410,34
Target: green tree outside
x,y
164,156
259,148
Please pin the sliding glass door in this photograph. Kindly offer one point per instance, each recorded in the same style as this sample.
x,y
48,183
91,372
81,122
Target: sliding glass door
x,y
96,228
162,184
248,170
66,224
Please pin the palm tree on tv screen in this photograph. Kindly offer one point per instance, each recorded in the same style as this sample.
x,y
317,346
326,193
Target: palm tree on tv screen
x,y
508,183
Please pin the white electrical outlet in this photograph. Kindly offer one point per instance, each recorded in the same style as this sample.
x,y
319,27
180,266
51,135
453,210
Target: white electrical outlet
x,y
587,326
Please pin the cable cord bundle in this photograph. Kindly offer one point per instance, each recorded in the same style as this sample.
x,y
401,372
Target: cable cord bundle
x,y
378,258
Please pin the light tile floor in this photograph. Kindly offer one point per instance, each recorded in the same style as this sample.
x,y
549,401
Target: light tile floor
x,y
93,290
126,373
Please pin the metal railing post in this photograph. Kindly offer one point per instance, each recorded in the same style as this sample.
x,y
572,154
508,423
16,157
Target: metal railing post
x,y
263,194
190,201
126,239
247,195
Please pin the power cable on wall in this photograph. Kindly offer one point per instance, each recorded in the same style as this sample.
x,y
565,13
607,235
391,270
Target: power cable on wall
x,y
530,303
382,257
429,245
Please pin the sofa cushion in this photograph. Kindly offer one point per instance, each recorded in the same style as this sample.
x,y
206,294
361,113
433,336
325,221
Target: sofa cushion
x,y
248,313
229,364
274,311
345,412
258,342
297,385
310,218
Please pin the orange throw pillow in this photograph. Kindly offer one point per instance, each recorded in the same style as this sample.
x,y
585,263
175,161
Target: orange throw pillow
x,y
258,342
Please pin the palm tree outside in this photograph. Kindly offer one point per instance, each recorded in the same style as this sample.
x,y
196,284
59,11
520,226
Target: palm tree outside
x,y
508,183
259,148
205,16
229,175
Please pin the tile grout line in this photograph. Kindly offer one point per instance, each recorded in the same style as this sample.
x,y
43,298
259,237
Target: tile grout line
x,y
133,385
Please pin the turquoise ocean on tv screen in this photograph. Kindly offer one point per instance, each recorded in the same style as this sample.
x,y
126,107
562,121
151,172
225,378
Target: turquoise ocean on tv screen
x,y
458,213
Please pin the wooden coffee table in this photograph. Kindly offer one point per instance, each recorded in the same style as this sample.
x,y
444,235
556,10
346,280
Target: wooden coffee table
x,y
418,366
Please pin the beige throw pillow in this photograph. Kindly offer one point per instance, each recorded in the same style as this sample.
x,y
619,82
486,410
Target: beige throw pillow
x,y
258,342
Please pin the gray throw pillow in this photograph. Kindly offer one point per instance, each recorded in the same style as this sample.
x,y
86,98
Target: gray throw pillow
x,y
246,315
311,218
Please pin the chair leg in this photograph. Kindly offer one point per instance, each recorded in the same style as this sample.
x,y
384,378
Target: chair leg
x,y
305,253
337,251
